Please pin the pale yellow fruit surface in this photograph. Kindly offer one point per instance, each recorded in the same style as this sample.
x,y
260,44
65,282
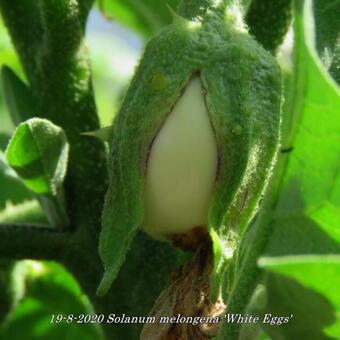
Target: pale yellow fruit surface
x,y
181,168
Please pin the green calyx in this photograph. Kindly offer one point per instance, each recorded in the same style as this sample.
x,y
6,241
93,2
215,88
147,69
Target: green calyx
x,y
242,94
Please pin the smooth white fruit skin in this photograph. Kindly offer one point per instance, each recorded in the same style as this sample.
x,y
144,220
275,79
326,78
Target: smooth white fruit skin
x,y
181,168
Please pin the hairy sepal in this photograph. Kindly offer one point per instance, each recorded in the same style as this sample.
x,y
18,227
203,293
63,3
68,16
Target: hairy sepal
x,y
153,92
243,95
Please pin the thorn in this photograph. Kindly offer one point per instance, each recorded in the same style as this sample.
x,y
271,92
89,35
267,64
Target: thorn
x,y
104,134
174,15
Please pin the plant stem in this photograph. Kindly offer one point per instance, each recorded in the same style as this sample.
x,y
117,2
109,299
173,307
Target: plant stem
x,y
64,95
62,91
19,242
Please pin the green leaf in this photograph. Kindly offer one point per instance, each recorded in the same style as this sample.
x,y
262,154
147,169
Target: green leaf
x,y
17,95
49,290
307,287
145,17
262,14
309,202
38,152
299,212
306,217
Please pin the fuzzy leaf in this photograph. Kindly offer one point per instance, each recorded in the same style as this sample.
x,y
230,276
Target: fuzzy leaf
x,y
262,14
124,205
38,153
